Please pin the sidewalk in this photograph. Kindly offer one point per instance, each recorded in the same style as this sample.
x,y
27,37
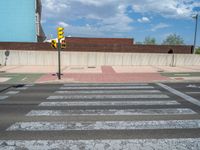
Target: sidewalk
x,y
103,74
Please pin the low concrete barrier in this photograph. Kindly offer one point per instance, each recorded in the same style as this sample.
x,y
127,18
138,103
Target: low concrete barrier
x,y
47,58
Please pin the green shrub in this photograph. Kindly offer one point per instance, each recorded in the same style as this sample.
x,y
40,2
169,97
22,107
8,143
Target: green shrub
x,y
198,50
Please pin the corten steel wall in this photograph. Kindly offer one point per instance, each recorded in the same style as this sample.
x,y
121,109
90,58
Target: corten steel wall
x,y
99,41
98,48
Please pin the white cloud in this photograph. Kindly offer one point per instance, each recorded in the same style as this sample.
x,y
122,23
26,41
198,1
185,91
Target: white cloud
x,y
166,8
143,20
63,24
86,30
160,26
111,16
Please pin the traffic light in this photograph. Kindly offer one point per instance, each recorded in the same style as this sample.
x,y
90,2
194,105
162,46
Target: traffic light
x,y
53,44
63,44
60,31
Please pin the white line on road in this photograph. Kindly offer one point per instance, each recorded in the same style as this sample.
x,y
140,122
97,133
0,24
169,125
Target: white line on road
x,y
105,125
109,103
148,96
105,85
182,74
168,111
107,88
125,144
12,92
29,85
3,97
22,88
108,92
193,92
24,79
180,94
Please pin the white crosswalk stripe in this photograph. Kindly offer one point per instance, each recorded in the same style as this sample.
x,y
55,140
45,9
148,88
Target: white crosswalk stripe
x,y
108,92
106,84
29,85
169,111
106,125
3,97
148,96
12,92
125,144
22,88
107,88
109,103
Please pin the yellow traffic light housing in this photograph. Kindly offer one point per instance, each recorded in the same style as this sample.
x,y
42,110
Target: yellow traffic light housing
x,y
63,44
60,31
53,44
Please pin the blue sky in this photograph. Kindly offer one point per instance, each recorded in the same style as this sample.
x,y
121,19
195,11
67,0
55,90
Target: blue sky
x,y
122,18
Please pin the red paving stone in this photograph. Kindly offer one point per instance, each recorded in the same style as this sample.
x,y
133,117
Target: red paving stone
x,y
108,75
107,78
107,70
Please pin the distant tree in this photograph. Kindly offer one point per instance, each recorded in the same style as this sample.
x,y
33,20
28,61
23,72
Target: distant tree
x,y
198,50
150,40
173,39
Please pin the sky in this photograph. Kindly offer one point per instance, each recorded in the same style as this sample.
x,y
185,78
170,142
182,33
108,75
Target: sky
x,y
122,18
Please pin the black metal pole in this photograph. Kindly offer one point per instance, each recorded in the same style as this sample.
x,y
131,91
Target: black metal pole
x,y
59,70
195,35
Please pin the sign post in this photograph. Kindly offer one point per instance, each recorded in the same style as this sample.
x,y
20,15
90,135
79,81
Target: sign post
x,y
7,53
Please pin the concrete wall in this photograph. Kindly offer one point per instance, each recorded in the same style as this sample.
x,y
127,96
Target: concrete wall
x,y
98,58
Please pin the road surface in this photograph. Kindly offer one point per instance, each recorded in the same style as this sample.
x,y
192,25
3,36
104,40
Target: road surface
x,y
142,116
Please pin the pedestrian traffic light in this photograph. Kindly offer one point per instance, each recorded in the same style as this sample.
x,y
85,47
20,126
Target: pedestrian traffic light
x,y
63,44
53,44
60,31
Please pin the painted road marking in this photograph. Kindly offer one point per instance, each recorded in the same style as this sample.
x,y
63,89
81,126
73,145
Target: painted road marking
x,y
29,85
193,92
193,86
168,111
108,92
180,94
106,84
12,92
3,97
125,144
109,103
107,88
24,79
22,88
107,96
182,74
105,125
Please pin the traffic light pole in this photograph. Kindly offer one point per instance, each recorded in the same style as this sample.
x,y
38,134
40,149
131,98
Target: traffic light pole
x,y
59,63
195,35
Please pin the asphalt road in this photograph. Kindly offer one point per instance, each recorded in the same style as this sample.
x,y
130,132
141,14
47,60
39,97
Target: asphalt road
x,y
100,116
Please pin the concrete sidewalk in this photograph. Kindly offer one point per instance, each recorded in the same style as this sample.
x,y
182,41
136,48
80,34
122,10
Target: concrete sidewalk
x,y
105,74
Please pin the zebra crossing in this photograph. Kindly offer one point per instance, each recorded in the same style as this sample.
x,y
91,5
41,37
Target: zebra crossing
x,y
118,101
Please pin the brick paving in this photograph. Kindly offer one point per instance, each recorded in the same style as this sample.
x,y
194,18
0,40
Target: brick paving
x,y
108,75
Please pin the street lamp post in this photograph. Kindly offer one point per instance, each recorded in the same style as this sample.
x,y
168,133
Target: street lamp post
x,y
195,35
